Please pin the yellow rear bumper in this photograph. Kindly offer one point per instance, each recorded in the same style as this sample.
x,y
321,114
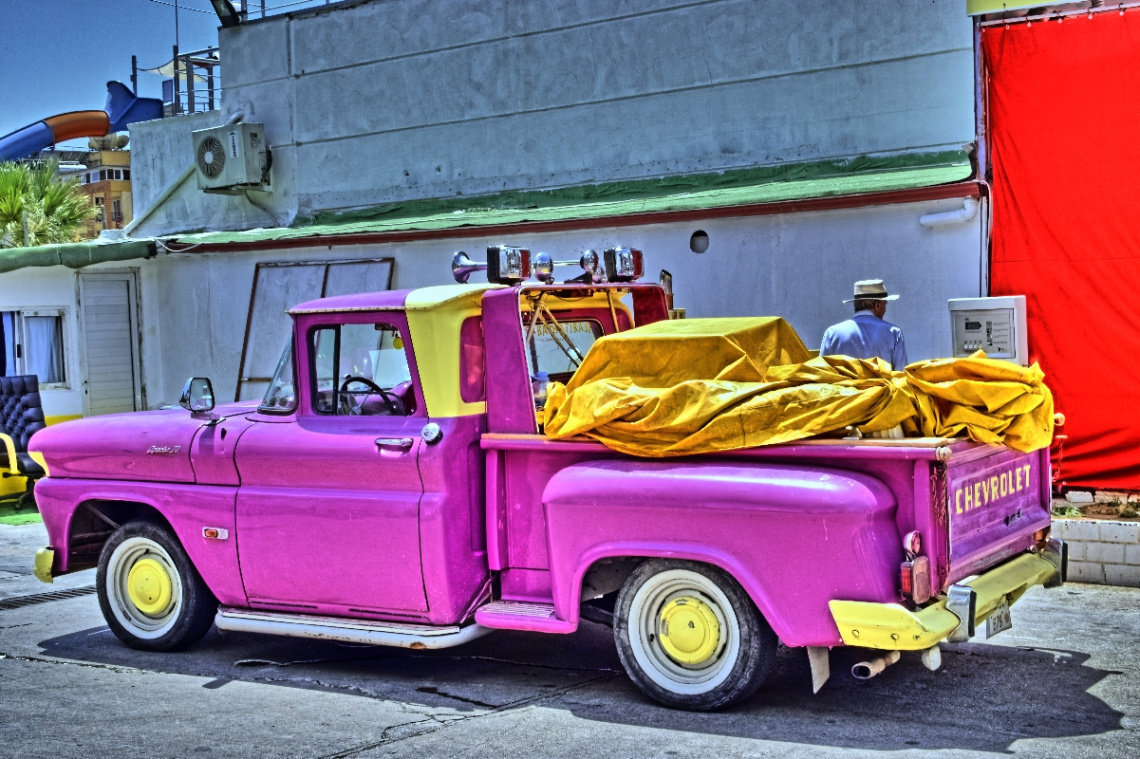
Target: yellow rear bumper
x,y
893,627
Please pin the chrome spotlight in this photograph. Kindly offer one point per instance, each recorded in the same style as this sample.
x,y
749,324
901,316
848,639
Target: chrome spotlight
x,y
507,265
623,264
589,262
543,265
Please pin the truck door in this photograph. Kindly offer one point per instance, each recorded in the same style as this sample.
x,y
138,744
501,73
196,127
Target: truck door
x,y
328,508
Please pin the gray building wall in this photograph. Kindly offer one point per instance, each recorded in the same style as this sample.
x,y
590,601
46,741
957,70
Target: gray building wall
x,y
393,100
161,152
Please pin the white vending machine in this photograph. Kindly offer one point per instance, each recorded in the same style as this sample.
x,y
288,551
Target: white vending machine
x,y
994,325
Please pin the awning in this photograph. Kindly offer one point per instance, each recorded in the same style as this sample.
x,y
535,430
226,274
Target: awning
x,y
167,70
981,7
75,255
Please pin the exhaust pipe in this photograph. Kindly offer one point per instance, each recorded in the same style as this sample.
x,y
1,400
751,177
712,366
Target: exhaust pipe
x,y
865,670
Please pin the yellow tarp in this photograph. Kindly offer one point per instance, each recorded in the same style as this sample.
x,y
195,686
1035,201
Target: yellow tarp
x,y
702,385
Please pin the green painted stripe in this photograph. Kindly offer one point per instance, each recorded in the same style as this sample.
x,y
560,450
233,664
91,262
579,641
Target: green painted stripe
x,y
769,184
978,7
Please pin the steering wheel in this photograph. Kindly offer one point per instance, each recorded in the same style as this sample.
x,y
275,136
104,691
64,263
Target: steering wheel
x,y
391,402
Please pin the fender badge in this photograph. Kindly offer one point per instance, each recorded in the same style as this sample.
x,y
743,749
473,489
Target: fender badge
x,y
163,449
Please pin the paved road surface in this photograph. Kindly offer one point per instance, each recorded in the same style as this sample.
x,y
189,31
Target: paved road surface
x,y
1064,682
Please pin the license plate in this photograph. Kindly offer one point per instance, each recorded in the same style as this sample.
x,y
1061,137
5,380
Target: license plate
x,y
1000,620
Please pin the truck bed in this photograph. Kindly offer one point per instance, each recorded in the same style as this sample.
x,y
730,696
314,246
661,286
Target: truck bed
x,y
924,476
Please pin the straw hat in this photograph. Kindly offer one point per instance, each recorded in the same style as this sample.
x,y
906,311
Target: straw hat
x,y
871,289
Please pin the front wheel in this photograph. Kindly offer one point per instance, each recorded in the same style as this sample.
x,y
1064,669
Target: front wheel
x,y
151,596
690,637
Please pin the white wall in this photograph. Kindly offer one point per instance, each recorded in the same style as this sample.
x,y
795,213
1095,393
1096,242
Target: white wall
x,y
799,266
50,287
195,312
393,100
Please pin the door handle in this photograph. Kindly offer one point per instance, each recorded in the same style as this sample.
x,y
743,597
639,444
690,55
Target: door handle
x,y
394,442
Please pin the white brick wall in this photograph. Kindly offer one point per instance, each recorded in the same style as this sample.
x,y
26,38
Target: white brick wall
x,y
1101,551
1104,553
1118,574
1083,571
1120,532
1077,529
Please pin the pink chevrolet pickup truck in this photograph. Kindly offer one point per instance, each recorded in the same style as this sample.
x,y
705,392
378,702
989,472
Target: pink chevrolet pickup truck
x,y
394,488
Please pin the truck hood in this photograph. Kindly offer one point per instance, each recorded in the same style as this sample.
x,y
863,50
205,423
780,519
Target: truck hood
x,y
144,445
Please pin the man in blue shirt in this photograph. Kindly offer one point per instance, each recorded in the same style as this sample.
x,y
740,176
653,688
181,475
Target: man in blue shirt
x,y
867,334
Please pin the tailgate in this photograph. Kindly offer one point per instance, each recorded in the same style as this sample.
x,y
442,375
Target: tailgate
x,y
996,502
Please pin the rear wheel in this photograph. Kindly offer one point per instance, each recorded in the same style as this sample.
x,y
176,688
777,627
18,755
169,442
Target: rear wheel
x,y
151,596
690,637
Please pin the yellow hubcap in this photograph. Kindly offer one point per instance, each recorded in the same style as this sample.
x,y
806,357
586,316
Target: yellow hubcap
x,y
688,630
150,587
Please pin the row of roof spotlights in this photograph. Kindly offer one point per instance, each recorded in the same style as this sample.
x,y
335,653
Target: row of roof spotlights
x,y
508,265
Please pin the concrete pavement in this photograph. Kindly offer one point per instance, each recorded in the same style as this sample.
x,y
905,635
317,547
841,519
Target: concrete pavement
x,y
1064,682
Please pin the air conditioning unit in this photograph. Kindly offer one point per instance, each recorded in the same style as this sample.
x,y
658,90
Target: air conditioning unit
x,y
232,158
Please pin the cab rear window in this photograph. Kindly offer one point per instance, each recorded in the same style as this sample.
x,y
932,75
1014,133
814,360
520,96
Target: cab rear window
x,y
556,348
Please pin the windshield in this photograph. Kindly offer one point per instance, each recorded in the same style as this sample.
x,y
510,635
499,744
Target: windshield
x,y
281,396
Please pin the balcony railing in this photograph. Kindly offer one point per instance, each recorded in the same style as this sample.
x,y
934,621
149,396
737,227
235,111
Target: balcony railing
x,y
195,82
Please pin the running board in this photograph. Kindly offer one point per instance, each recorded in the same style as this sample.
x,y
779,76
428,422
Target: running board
x,y
520,615
346,630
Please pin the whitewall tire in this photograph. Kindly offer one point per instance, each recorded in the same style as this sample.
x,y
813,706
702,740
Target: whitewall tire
x,y
690,637
151,596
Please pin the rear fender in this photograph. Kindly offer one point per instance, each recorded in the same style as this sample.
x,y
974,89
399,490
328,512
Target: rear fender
x,y
794,537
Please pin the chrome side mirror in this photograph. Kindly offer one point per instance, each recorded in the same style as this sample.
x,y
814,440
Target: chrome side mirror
x,y
197,396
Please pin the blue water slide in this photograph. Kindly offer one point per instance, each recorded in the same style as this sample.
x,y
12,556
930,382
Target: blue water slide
x,y
122,108
25,142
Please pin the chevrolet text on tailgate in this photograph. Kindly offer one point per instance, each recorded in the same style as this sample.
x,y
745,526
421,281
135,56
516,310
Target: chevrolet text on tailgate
x,y
394,488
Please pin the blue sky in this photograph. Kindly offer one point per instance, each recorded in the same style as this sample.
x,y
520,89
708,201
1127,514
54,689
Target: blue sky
x,y
58,55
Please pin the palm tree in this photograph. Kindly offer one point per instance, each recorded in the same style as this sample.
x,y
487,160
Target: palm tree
x,y
53,210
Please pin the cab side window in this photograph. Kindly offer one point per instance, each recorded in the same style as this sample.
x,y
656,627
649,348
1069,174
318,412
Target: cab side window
x,y
360,370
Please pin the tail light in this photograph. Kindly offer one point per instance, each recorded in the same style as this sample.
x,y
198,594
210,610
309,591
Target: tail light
x,y
914,579
912,543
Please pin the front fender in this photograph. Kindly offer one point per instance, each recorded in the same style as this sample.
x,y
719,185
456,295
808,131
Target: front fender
x,y
794,537
188,508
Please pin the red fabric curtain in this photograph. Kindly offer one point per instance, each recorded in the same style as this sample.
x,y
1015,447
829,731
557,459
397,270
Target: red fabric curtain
x,y
1064,130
